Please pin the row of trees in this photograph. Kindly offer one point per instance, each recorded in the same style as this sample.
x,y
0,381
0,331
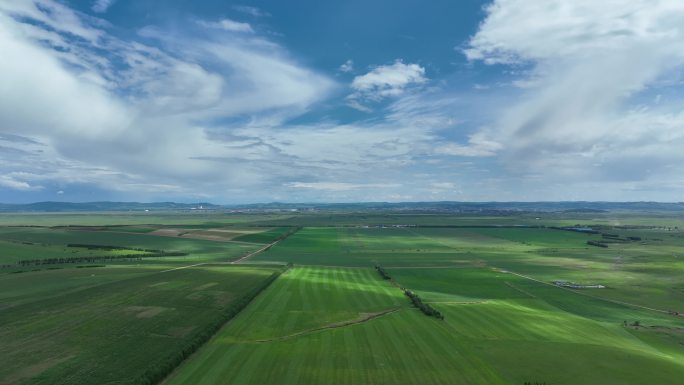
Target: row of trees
x,y
425,308
383,273
596,243
415,299
109,247
160,370
92,259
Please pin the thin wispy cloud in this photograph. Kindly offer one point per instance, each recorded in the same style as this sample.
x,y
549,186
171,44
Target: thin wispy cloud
x,y
252,11
227,25
101,6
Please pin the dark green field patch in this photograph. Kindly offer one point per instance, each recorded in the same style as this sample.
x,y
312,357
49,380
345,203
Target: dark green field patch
x,y
197,249
116,331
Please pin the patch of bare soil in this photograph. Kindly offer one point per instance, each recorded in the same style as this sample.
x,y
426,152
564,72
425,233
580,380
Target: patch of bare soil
x,y
168,232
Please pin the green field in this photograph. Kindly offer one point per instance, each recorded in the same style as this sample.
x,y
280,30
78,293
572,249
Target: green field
x,y
331,318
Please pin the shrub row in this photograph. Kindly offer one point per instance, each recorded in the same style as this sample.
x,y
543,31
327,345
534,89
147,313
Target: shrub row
x,y
163,369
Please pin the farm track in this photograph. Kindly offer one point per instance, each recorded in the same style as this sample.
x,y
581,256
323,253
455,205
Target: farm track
x,y
256,252
337,325
224,263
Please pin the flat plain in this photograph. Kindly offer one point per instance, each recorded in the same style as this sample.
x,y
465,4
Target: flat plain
x,y
117,299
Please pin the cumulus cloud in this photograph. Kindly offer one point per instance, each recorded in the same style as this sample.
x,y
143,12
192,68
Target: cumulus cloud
x,y
589,61
385,81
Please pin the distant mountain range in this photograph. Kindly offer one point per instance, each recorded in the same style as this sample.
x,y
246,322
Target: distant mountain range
x,y
473,207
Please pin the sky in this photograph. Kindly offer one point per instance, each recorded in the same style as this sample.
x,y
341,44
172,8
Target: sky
x,y
346,101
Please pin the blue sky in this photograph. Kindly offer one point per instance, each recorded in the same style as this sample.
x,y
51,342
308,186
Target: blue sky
x,y
302,101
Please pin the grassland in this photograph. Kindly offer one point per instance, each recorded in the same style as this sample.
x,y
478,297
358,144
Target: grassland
x,y
331,318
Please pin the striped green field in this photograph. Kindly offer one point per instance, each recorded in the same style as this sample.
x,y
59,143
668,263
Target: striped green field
x,y
312,327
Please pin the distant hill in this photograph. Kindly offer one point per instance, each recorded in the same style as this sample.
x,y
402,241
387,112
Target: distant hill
x,y
477,207
102,206
483,208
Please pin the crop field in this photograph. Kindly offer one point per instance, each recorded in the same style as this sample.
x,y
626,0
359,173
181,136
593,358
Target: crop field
x,y
297,299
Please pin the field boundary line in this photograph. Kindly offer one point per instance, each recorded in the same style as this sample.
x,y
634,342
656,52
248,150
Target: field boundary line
x,y
465,266
586,294
459,302
520,290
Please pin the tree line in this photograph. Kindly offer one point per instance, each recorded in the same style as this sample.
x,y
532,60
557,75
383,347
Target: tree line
x,y
160,370
92,259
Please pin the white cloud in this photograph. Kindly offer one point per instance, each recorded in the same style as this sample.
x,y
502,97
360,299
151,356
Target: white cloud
x,y
101,6
347,66
228,25
11,183
577,119
337,186
148,120
385,81
55,15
